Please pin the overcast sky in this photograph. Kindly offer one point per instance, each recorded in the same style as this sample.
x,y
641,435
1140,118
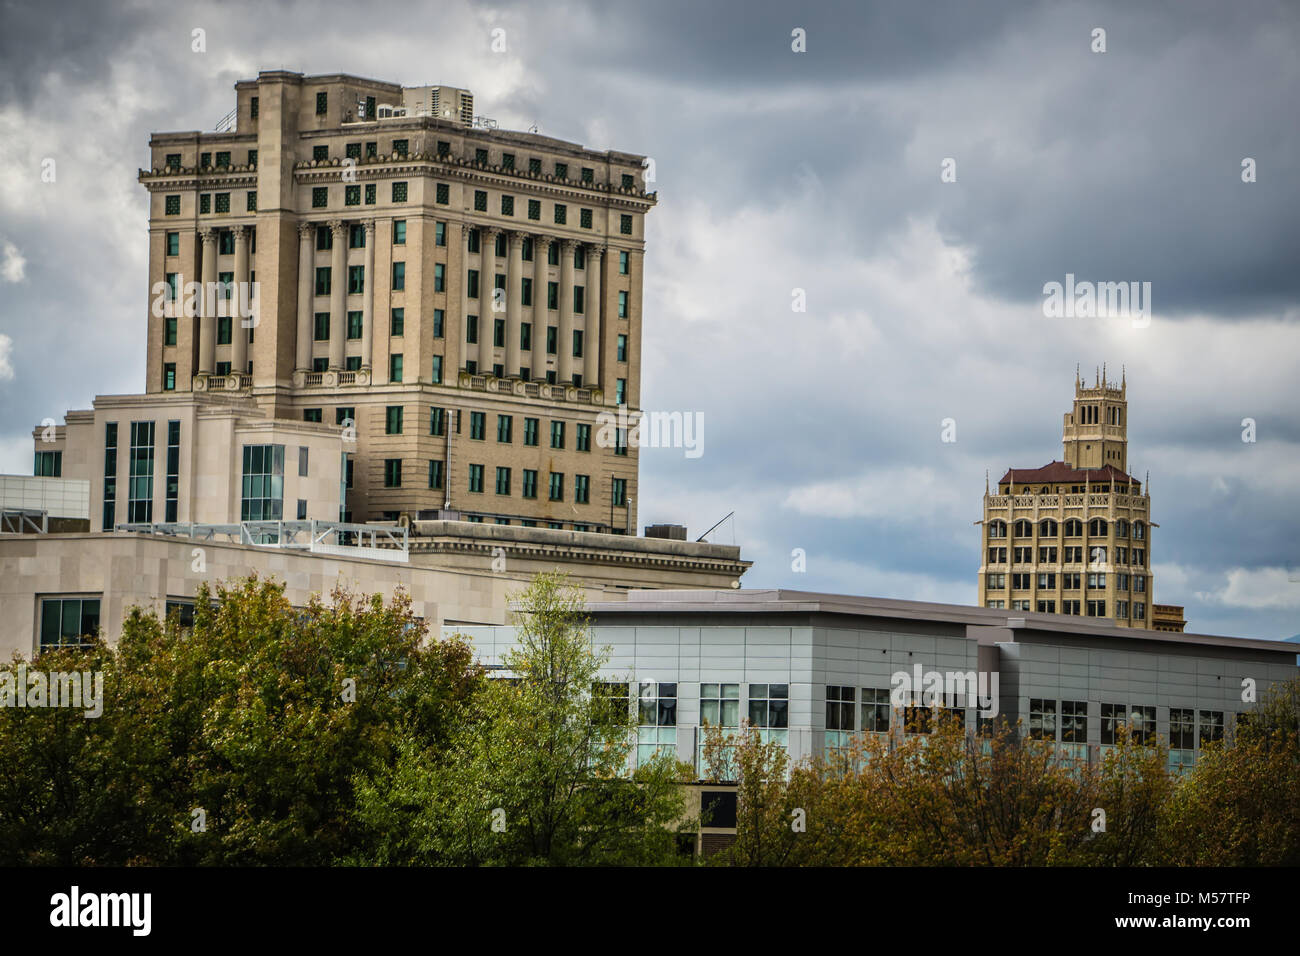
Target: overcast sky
x,y
777,171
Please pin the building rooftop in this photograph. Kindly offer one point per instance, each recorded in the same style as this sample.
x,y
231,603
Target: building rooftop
x,y
781,601
1060,471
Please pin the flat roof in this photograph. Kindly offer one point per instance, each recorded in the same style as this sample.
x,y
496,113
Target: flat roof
x,y
782,601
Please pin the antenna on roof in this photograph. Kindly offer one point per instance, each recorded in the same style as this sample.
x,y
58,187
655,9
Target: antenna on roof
x,y
707,533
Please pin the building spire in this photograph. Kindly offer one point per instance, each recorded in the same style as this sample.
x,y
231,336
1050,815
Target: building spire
x,y
1103,374
986,481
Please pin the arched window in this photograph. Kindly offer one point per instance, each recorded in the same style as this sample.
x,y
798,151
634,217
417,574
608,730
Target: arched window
x,y
1024,528
1139,531
997,529
1073,528
1047,528
1097,527
1121,528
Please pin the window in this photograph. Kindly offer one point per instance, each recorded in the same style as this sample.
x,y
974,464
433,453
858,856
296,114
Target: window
x,y
622,263
629,181
477,425
561,214
1047,581
584,218
171,205
1042,719
223,202
354,325
68,622
48,464
1046,607
997,556
584,438
320,364
1070,607
399,276
1073,528
507,160
352,363
840,705
621,353
169,376
394,368
476,479
656,720
392,472
437,370
442,194
530,483
435,474
345,416
526,291
400,147
437,421
535,166
323,280
1143,720
625,224
503,481
262,492
321,332
397,322
505,428
173,161
324,238
530,431
1047,555
480,200
322,104
557,486
139,504
769,710
440,281
399,192
393,420
499,335
1210,727
507,205
352,197
618,492
439,233
1021,581
320,197
438,322
471,284
444,147
1024,555
1096,581
996,582
577,343
581,489
311,415
620,391
471,329
534,209
1071,580
876,710
997,529
557,434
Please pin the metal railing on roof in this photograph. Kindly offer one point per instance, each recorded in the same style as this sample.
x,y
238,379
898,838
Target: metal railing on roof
x,y
386,543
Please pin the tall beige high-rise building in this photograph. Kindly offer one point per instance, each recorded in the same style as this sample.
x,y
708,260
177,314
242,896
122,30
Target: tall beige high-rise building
x,y
1074,536
467,298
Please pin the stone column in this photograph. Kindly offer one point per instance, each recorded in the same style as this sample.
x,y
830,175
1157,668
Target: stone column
x,y
208,305
468,351
306,292
239,334
541,317
564,364
487,297
368,298
514,292
338,293
591,345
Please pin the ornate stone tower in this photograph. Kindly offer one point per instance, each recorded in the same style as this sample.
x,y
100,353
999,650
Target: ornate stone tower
x,y
1095,433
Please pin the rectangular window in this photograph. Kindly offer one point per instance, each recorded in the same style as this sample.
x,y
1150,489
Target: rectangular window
x,y
481,157
476,479
530,431
439,234
507,205
584,218
621,352
320,197
173,243
322,327
618,492
471,284
480,200
393,420
169,376
471,329
355,324
622,263
583,438
499,333
205,203
534,208
557,434
323,280
769,706
399,192
435,474
48,464
505,428
507,160
392,472
620,391
503,481
400,147
322,104
622,305
250,201
581,489
171,205
557,486
577,343
394,368
399,276
625,224
530,483
1210,727
110,474
223,202
139,505
1042,719
262,490
478,425
311,415
561,214
397,322
437,370
68,622
352,195
656,720
561,170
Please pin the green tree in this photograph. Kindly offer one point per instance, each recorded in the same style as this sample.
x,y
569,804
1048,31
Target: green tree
x,y
540,775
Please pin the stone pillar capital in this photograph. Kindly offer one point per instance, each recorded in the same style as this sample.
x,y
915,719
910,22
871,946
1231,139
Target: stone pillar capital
x,y
338,226
369,225
240,231
595,250
568,245
542,241
516,240
491,232
207,234
306,230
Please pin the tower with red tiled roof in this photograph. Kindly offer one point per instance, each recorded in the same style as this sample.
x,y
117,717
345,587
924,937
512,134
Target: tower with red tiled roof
x,y
1073,536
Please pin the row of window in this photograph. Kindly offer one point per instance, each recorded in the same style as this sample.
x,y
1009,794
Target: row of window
x,y
1094,608
206,161
1048,528
504,478
1070,581
1074,554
